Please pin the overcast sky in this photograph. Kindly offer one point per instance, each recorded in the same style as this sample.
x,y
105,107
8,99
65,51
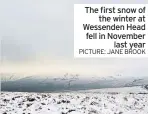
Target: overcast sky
x,y
37,38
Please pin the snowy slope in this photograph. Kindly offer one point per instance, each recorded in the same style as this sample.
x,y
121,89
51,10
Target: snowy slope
x,y
68,82
103,101
124,90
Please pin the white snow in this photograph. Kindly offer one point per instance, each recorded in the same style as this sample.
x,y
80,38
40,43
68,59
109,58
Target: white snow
x,y
135,89
131,100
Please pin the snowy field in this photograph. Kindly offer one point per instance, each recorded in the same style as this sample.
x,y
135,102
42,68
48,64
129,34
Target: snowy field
x,y
104,101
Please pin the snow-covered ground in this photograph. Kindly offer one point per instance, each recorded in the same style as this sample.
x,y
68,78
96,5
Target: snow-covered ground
x,y
131,100
123,90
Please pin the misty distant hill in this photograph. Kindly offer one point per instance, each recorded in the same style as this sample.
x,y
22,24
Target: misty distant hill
x,y
68,83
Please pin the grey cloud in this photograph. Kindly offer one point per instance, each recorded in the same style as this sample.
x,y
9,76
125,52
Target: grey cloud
x,y
46,25
29,28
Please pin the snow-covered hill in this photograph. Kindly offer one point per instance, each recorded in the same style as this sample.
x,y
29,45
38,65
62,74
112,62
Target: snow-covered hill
x,y
129,100
123,90
68,82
